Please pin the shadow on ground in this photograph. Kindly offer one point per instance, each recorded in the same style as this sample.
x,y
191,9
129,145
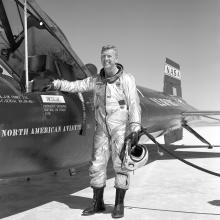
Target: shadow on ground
x,y
18,195
215,202
176,211
188,153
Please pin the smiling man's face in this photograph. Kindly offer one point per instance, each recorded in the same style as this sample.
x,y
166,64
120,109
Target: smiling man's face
x,y
109,59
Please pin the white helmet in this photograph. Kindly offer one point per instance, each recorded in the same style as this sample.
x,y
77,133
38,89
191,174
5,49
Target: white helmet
x,y
134,156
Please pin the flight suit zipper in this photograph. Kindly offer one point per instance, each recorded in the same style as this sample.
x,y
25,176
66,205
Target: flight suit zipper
x,y
106,114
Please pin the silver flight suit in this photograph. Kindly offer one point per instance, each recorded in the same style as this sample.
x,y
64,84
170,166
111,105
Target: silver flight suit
x,y
117,113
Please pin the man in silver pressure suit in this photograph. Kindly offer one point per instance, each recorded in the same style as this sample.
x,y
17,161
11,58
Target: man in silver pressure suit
x,y
117,113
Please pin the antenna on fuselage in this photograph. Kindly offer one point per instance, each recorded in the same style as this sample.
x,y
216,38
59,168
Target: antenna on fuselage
x,y
26,47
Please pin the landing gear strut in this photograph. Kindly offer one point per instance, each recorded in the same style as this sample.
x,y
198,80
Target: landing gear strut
x,y
188,128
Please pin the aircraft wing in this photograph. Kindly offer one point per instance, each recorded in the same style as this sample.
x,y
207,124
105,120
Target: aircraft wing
x,y
202,118
200,113
193,119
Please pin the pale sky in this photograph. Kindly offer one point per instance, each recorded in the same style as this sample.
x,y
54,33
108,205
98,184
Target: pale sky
x,y
145,32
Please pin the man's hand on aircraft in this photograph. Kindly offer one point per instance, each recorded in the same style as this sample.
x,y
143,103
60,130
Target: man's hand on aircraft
x,y
50,86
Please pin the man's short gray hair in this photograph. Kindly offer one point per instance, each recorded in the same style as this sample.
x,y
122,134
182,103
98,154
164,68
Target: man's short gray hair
x,y
108,47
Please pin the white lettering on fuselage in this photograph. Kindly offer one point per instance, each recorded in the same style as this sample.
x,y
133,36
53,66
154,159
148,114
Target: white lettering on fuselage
x,y
14,132
39,130
46,130
71,128
165,102
52,99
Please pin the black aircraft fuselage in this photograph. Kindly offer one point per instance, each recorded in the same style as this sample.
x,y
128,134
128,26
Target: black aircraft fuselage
x,y
38,136
42,130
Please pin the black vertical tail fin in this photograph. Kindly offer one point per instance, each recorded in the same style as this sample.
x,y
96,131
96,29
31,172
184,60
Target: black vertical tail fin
x,y
172,78
172,86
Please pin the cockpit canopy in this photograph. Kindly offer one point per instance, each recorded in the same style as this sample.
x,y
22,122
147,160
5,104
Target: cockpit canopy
x,y
48,49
